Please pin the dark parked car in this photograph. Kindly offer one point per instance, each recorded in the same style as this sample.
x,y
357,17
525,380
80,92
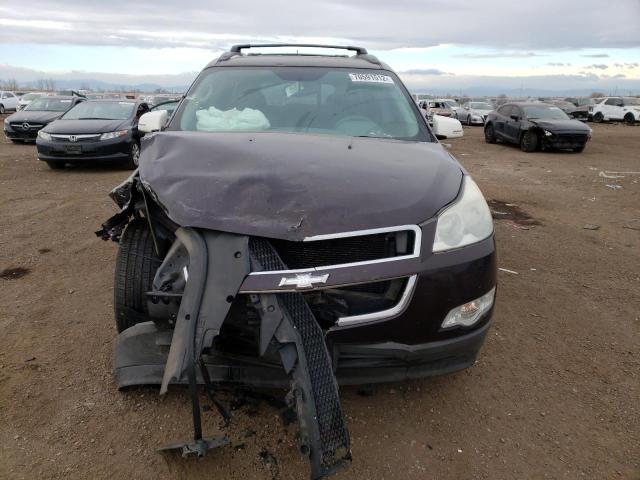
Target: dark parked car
x,y
296,222
534,126
95,130
24,125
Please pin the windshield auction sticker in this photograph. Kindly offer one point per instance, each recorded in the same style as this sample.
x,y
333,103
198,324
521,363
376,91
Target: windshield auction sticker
x,y
370,78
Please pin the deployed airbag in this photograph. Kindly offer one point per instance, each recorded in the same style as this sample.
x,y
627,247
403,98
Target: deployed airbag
x,y
214,120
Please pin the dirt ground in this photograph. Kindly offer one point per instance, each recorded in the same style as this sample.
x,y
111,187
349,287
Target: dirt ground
x,y
555,393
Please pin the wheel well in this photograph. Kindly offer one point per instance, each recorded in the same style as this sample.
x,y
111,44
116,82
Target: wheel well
x,y
536,130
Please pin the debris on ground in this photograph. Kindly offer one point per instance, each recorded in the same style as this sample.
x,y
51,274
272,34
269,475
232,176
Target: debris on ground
x,y
591,226
508,271
14,273
501,210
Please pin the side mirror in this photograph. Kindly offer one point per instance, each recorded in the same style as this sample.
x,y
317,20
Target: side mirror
x,y
153,121
515,117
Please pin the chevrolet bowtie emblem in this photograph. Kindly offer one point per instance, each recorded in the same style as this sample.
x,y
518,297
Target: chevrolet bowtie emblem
x,y
303,280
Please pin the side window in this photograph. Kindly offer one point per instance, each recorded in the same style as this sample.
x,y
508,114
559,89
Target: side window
x,y
516,111
612,101
4,95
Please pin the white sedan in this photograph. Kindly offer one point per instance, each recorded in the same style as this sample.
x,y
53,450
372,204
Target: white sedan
x,y
474,113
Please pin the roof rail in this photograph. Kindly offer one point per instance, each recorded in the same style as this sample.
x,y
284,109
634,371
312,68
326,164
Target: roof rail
x,y
239,48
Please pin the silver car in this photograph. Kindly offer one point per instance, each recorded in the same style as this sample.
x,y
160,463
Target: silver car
x,y
474,113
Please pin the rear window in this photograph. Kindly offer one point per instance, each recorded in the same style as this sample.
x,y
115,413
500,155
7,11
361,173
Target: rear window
x,y
100,111
48,104
333,101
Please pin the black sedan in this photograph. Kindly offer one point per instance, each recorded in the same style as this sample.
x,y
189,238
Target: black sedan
x,y
23,126
95,130
536,126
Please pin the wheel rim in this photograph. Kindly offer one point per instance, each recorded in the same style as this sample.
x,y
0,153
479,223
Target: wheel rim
x,y
526,141
1,108
469,121
135,154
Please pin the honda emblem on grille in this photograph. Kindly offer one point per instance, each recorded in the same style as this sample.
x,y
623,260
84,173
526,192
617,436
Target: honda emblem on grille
x,y
73,138
303,280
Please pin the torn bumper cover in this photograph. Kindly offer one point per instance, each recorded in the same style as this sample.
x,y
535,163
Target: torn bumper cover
x,y
218,264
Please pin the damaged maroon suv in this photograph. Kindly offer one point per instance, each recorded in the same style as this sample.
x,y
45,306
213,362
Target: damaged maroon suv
x,y
296,224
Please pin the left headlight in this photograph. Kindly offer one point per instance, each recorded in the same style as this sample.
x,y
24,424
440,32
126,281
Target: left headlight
x,y
44,135
110,135
547,133
6,121
465,222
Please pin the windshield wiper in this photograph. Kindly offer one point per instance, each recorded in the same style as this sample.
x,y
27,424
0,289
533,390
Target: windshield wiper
x,y
92,118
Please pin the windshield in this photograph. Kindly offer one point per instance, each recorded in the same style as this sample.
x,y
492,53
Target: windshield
x,y
30,96
548,112
480,106
452,103
333,101
100,111
49,104
631,101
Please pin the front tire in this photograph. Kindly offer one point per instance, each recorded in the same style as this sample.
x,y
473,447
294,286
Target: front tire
x,y
598,117
136,265
529,142
489,134
629,119
134,156
469,120
2,110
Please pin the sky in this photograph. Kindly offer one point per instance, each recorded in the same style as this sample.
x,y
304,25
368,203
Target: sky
x,y
438,44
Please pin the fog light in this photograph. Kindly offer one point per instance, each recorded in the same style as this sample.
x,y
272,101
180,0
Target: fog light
x,y
469,313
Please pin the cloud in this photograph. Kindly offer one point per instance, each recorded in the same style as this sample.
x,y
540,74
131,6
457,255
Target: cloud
x,y
596,55
599,66
519,28
558,64
426,71
620,75
500,55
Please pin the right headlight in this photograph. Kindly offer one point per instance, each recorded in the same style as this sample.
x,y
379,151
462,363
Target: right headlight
x,y
44,135
466,221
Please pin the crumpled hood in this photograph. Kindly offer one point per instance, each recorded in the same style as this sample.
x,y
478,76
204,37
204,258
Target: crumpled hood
x,y
34,116
290,186
557,126
63,126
